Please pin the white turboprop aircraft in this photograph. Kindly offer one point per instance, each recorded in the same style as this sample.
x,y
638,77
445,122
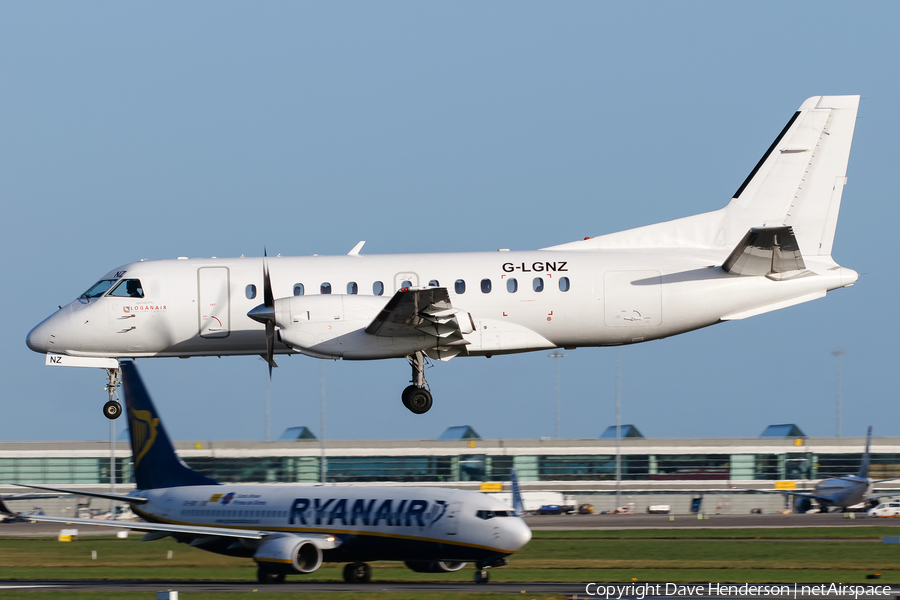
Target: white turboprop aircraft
x,y
291,529
769,248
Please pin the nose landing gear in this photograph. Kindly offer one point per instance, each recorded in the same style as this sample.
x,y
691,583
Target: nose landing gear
x,y
112,409
416,397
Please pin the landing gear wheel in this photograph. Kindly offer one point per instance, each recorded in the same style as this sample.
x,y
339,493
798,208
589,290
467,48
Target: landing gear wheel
x,y
357,573
112,410
405,395
266,577
482,576
419,401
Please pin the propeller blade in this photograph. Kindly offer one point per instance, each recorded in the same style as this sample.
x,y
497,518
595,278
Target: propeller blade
x,y
270,346
268,297
269,303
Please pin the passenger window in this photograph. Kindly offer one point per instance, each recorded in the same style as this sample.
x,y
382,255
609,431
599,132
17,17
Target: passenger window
x,y
325,288
406,284
298,289
434,283
538,284
99,288
564,284
512,286
378,288
128,288
352,288
485,286
250,292
460,286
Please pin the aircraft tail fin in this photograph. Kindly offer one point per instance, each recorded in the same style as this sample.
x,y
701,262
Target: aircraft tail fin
x,y
864,467
518,504
156,465
798,183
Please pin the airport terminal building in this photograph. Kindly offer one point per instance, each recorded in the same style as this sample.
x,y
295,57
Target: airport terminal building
x,y
653,471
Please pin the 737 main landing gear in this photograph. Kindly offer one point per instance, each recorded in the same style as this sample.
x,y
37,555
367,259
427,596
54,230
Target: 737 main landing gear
x,y
358,572
112,409
416,397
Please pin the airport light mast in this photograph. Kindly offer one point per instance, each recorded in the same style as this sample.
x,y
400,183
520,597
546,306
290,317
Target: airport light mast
x,y
556,356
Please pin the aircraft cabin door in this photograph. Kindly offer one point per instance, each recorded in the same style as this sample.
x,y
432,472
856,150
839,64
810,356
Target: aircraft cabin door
x,y
453,518
213,302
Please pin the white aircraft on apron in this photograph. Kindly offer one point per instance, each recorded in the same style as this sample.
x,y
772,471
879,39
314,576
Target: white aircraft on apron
x,y
769,248
293,529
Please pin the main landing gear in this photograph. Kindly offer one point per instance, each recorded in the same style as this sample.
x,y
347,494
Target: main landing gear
x,y
112,409
267,577
416,397
358,572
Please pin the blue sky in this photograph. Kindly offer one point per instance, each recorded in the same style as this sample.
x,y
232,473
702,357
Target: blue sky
x,y
133,131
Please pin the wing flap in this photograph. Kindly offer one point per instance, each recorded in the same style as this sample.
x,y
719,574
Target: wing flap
x,y
414,311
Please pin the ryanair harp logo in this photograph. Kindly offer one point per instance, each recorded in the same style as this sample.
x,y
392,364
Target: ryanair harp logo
x,y
143,433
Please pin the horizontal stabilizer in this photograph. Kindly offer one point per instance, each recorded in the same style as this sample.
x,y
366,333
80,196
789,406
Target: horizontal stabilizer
x,y
764,251
116,497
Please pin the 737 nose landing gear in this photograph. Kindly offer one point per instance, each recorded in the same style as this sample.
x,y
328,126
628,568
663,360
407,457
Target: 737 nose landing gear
x,y
416,397
112,409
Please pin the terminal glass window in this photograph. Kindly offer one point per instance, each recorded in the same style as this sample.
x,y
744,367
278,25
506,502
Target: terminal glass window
x,y
250,291
564,284
538,284
128,288
460,286
378,288
325,288
99,288
352,288
692,467
298,289
512,286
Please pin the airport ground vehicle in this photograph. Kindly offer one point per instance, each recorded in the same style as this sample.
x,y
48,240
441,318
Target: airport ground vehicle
x,y
885,509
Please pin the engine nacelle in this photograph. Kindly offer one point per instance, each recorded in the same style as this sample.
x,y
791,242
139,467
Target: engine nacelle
x,y
802,505
434,566
289,554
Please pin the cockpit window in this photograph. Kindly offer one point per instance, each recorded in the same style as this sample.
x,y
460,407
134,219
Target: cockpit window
x,y
490,514
99,288
128,288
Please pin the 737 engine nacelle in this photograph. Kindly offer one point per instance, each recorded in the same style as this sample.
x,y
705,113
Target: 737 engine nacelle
x,y
333,326
289,554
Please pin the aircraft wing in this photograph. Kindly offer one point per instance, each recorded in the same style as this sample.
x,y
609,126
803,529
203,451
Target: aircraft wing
x,y
159,530
883,480
414,311
67,491
789,493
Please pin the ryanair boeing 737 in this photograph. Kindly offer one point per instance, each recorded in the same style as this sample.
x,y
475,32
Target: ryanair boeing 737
x,y
769,248
292,529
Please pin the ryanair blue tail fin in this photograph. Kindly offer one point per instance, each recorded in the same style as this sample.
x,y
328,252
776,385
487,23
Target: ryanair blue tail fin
x,y
155,463
518,505
864,467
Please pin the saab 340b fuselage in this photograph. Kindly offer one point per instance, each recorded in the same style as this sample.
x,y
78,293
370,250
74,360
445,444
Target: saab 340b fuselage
x,y
769,248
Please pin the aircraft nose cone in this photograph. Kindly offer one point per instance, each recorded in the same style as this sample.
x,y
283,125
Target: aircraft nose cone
x,y
38,339
262,314
519,534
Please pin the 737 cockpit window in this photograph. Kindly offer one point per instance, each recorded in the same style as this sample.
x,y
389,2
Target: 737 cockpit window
x,y
99,288
490,514
128,288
